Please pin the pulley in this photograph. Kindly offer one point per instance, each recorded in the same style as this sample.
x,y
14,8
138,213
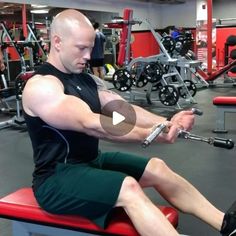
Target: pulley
x,y
168,43
190,86
122,80
168,95
153,72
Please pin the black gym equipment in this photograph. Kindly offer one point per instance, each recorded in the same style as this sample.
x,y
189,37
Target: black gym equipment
x,y
192,89
216,141
169,43
162,69
122,80
168,95
141,81
153,72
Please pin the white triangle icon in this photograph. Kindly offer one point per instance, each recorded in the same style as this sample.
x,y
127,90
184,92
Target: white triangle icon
x,y
117,118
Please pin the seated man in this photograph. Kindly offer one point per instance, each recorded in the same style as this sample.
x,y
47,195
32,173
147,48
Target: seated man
x,y
63,107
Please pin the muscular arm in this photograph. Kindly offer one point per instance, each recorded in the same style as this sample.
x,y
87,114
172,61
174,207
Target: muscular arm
x,y
43,96
146,119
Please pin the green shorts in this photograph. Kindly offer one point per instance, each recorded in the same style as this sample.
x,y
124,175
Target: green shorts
x,y
89,189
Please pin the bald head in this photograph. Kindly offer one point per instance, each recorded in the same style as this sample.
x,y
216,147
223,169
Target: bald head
x,y
72,40
68,20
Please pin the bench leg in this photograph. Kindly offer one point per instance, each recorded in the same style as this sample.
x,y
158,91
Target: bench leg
x,y
220,121
19,229
29,229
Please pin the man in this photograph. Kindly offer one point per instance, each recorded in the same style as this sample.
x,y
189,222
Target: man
x,y
97,55
2,68
174,32
2,65
62,108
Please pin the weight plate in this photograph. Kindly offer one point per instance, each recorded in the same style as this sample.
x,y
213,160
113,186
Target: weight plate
x,y
141,81
153,72
168,43
122,80
168,95
190,85
182,45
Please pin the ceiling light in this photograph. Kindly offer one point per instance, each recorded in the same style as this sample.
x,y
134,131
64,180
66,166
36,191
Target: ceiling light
x,y
38,6
39,11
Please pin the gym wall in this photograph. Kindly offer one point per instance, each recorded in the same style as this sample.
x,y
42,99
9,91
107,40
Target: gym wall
x,y
159,15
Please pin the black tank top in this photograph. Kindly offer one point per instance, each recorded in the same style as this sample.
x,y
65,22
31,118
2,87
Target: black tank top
x,y
51,145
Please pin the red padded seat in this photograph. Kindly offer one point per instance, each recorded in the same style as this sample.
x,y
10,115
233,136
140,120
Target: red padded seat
x,y
224,101
22,206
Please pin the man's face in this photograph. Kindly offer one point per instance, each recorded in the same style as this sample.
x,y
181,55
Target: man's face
x,y
76,49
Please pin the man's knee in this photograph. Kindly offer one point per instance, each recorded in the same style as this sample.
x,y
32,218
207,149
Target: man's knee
x,y
156,171
130,190
157,166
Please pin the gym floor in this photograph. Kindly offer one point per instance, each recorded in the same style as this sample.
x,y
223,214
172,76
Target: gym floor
x,y
212,170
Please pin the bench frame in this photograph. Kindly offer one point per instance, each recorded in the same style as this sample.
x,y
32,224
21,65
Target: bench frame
x,y
223,105
220,117
26,229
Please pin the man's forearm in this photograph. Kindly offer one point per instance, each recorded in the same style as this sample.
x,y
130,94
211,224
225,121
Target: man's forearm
x,y
147,119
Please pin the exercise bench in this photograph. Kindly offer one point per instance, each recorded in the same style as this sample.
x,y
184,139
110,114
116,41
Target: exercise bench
x,y
28,218
223,105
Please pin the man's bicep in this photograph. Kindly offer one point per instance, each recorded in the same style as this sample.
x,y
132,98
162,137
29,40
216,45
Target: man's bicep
x,y
60,110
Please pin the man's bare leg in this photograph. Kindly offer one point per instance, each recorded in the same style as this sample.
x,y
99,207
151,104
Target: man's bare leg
x,y
146,217
180,193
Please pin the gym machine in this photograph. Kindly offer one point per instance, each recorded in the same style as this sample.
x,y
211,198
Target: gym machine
x,y
34,45
11,92
216,141
154,71
229,65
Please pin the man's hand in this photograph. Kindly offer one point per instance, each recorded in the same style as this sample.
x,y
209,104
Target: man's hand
x,y
183,120
170,134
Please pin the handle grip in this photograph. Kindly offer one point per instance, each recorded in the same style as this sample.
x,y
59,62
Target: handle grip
x,y
223,143
155,132
197,111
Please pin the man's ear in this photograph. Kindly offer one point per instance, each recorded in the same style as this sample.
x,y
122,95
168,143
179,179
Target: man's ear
x,y
57,42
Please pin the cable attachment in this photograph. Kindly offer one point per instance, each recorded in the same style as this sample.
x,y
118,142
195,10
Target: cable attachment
x,y
217,142
154,133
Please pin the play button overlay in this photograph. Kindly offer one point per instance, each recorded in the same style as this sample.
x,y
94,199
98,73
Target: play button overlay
x,y
118,118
